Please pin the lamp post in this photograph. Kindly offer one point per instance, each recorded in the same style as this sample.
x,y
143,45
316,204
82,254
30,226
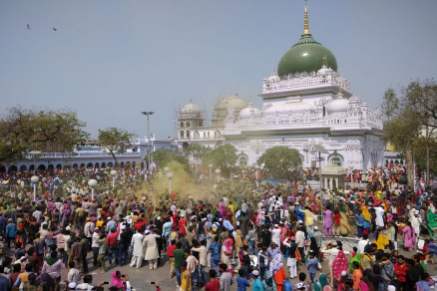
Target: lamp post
x,y
114,175
92,183
148,114
34,179
170,182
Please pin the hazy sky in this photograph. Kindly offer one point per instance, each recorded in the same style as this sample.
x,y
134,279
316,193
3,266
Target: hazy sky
x,y
111,59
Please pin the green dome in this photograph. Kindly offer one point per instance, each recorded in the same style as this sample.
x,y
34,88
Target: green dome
x,y
307,55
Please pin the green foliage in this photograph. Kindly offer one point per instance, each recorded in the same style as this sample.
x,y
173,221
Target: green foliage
x,y
164,157
115,140
23,131
422,99
402,130
281,162
420,153
223,157
390,104
411,129
196,150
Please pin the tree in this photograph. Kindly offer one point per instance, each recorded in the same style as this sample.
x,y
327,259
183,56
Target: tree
x,y
281,162
390,104
163,157
402,131
411,129
197,151
223,157
425,154
23,131
114,140
422,99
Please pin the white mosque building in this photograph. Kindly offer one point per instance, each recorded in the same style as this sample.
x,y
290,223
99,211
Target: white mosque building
x,y
307,106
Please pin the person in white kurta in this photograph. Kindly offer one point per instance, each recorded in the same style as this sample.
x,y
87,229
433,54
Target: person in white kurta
x,y
416,221
151,250
137,249
379,220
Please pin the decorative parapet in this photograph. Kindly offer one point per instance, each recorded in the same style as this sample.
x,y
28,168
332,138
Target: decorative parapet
x,y
305,120
274,84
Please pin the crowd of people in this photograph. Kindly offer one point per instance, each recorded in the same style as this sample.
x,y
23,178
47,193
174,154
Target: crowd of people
x,y
289,239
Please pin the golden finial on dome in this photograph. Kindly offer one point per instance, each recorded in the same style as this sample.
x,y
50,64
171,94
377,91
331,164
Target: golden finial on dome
x,y
306,21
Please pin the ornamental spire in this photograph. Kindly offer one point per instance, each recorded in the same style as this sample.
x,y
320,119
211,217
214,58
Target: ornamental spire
x,y
306,21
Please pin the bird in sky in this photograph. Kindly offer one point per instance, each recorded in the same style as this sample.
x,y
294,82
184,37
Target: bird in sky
x,y
28,26
54,28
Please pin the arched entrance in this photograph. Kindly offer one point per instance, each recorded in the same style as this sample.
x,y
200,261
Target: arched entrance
x,y
12,169
335,159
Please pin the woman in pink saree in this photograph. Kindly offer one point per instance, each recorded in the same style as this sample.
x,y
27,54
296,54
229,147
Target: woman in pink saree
x,y
409,237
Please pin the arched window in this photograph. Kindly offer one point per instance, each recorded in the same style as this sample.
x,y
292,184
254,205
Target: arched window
x,y
336,159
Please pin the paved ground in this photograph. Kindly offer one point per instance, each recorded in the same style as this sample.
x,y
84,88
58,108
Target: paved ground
x,y
141,278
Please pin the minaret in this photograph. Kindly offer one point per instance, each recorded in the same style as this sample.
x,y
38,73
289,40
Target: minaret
x,y
306,20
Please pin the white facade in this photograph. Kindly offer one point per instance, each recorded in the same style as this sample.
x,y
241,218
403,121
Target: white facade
x,y
309,112
314,113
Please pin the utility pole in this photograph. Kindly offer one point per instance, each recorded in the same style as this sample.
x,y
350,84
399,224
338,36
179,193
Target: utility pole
x,y
148,114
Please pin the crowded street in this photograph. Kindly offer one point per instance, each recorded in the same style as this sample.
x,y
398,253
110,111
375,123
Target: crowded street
x,y
58,235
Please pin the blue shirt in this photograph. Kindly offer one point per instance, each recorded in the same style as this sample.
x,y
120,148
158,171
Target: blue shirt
x,y
11,230
214,248
257,285
242,284
312,265
5,284
287,286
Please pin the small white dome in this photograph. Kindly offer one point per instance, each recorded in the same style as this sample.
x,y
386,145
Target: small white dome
x,y
354,100
190,108
249,111
324,70
337,105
